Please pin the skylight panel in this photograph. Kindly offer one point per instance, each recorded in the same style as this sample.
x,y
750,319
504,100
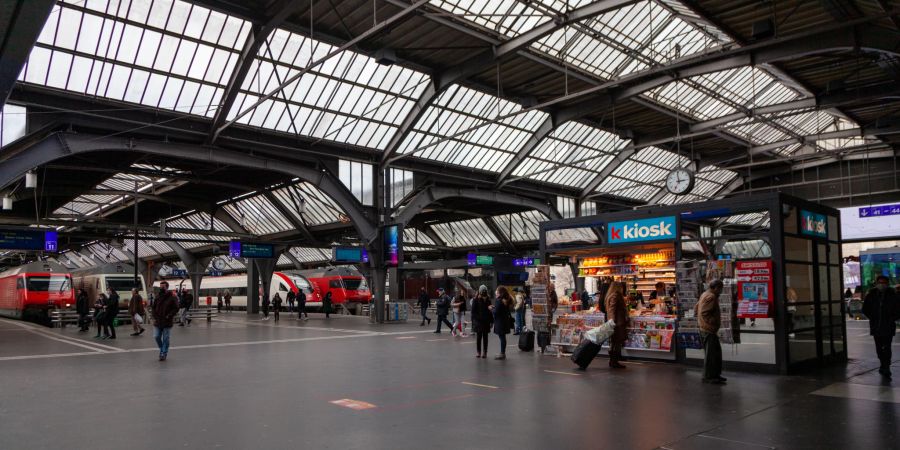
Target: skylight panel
x,y
572,155
413,240
520,227
465,233
319,208
258,215
643,174
455,130
308,255
158,53
349,98
12,123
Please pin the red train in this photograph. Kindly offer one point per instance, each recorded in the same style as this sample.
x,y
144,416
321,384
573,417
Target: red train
x,y
29,291
346,285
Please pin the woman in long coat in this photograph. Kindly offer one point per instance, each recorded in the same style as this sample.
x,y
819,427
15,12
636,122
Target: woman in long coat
x,y
482,320
327,307
616,311
502,318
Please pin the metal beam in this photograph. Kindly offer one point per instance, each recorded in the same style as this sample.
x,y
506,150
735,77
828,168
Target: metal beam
x,y
501,236
381,26
480,62
298,225
544,129
258,34
60,145
24,23
607,171
434,193
839,134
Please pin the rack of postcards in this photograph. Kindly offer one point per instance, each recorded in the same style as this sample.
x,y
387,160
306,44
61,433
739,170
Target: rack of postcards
x,y
540,309
570,328
724,270
689,289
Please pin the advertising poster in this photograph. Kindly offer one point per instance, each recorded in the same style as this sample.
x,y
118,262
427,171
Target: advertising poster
x,y
392,248
754,280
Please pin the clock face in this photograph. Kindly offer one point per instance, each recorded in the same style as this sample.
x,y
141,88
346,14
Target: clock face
x,y
219,264
680,181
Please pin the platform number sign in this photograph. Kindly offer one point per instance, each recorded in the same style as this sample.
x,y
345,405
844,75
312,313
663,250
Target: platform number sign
x,y
50,241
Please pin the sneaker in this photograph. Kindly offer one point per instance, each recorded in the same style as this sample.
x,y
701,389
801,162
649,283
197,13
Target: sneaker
x,y
478,355
500,357
134,334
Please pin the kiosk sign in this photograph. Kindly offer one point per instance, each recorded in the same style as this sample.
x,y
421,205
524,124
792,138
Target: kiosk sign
x,y
643,230
813,224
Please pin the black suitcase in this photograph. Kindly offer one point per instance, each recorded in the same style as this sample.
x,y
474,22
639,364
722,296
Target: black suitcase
x,y
543,339
584,353
526,341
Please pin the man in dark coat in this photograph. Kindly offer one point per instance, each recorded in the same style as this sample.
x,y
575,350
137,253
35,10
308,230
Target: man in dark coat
x,y
443,310
423,303
187,301
112,311
290,297
709,320
882,307
301,305
164,310
585,300
82,308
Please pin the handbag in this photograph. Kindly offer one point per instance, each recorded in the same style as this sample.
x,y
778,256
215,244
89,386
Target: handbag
x,y
138,319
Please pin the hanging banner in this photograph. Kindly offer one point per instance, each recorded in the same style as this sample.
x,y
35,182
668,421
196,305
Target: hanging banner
x,y
754,288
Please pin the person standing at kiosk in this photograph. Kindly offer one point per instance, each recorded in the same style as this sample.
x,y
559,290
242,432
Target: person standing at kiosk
x,y
709,318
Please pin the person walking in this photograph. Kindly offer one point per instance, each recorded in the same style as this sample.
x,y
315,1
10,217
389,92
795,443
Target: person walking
x,y
501,308
100,314
290,297
520,311
301,305
164,309
709,319
276,306
882,307
482,320
187,301
112,312
459,312
265,306
423,303
83,309
615,308
227,298
219,301
442,309
136,312
585,300
327,305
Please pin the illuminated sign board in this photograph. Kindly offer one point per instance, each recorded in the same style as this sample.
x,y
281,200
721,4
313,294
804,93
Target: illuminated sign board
x,y
29,240
474,259
238,249
643,230
813,224
392,246
526,262
349,255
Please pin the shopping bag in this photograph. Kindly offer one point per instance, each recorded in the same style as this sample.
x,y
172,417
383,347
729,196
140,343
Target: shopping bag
x,y
602,333
138,319
115,322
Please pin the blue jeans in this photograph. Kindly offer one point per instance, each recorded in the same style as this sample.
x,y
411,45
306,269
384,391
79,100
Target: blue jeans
x,y
520,320
162,339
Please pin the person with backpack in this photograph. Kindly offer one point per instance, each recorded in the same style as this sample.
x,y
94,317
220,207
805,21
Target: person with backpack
x,y
164,309
112,311
424,302
520,311
265,307
482,320
276,306
187,301
443,310
136,312
301,305
290,297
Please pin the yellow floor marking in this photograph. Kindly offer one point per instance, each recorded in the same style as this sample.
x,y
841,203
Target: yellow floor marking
x,y
480,385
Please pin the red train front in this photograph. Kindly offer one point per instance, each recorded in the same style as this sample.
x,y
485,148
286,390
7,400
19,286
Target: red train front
x,y
31,290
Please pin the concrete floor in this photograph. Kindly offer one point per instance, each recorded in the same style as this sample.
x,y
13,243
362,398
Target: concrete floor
x,y
240,383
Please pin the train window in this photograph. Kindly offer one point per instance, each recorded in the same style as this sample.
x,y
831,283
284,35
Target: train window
x,y
282,287
20,283
355,284
51,283
120,284
335,284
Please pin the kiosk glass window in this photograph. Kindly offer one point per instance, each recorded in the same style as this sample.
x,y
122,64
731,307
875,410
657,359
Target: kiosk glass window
x,y
790,220
797,249
799,283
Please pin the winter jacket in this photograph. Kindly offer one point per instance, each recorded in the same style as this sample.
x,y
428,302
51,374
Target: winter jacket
x,y
290,297
164,309
443,305
81,304
616,311
502,318
327,306
301,297
520,301
112,307
482,317
135,306
883,310
709,315
187,300
424,300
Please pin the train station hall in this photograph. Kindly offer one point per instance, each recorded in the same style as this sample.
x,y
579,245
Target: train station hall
x,y
450,224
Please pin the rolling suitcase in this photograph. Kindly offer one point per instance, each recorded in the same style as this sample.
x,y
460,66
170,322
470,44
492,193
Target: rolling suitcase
x,y
543,339
584,353
526,341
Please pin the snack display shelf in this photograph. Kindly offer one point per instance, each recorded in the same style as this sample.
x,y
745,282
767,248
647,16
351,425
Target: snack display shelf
x,y
608,266
603,275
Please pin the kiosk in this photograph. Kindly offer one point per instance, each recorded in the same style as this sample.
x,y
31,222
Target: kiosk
x,y
779,257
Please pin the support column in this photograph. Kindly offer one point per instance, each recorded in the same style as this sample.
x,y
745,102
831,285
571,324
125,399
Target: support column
x,y
376,248
265,268
252,289
579,282
394,290
196,270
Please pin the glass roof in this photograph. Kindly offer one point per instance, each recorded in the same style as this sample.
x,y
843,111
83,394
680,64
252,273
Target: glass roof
x,y
159,53
572,155
94,204
412,236
349,98
455,113
320,209
258,215
771,128
12,123
197,221
642,175
520,227
465,233
307,254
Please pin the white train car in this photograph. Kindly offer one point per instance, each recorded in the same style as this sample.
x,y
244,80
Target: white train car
x,y
281,283
119,277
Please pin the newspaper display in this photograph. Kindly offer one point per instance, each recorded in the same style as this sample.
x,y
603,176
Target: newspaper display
x,y
540,299
689,290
